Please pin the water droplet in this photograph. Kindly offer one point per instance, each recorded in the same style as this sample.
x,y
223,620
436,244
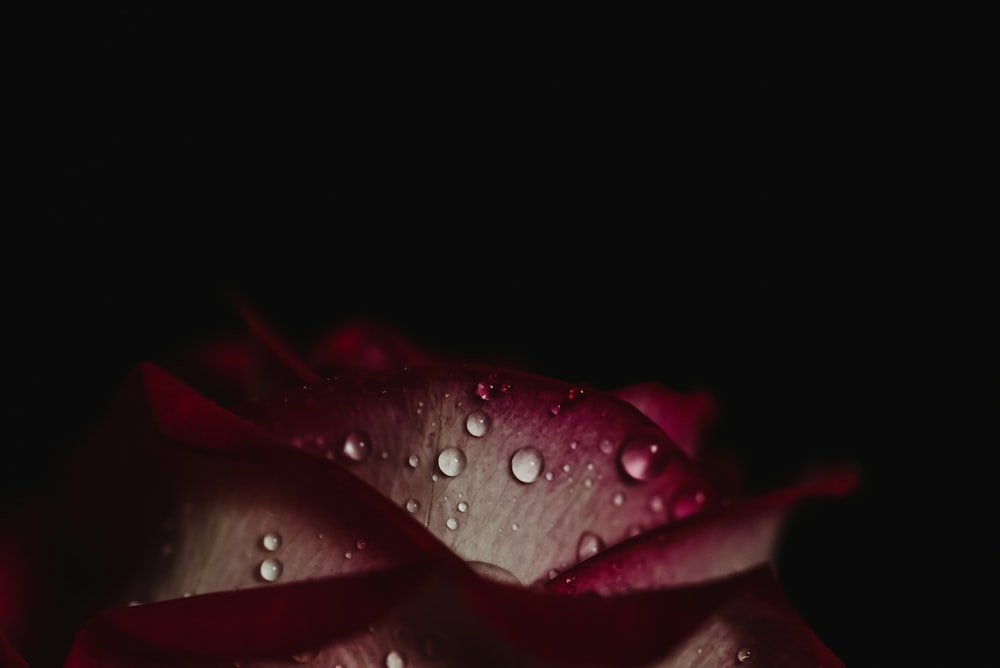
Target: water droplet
x,y
633,530
394,660
478,423
589,545
686,502
304,657
526,464
270,569
645,454
565,468
361,544
549,475
451,461
451,523
462,506
606,446
744,655
413,505
555,408
348,555
487,388
656,503
587,482
271,541
552,573
574,445
515,526
413,461
575,393
618,499
494,572
356,447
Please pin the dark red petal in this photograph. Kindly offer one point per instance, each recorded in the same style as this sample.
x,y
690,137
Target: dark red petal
x,y
272,342
260,622
366,344
719,542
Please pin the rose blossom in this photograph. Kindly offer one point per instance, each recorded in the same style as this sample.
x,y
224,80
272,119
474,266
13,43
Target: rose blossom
x,y
388,508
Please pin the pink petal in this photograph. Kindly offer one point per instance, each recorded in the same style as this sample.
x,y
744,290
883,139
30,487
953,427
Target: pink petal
x,y
416,424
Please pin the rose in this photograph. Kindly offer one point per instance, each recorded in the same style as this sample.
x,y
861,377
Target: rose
x,y
427,514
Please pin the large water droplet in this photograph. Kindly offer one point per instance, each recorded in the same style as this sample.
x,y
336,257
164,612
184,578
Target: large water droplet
x,y
272,541
744,655
451,523
451,461
645,454
270,569
478,423
589,545
413,505
526,464
356,447
394,660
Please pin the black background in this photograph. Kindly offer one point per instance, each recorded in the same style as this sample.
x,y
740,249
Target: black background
x,y
601,209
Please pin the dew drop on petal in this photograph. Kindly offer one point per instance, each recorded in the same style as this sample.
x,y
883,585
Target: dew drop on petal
x,y
549,475
645,454
656,503
487,388
356,447
555,408
515,526
270,569
413,461
394,660
451,523
606,446
413,505
744,655
478,423
618,499
575,393
686,502
462,506
589,545
451,461
526,464
348,555
361,544
271,541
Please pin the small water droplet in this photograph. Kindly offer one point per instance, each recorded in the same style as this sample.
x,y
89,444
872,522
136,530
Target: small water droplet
x,y
744,655
394,660
451,461
589,545
565,468
462,506
348,555
575,393
478,423
618,499
645,454
271,541
361,544
515,526
451,523
549,475
526,464
633,530
487,388
413,461
434,477
555,408
686,502
574,445
270,569
587,482
656,503
552,573
606,446
304,657
413,505
356,447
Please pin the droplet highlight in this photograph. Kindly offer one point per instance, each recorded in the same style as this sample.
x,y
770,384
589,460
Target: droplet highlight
x,y
356,447
451,462
526,464
270,569
645,455
271,541
589,545
478,423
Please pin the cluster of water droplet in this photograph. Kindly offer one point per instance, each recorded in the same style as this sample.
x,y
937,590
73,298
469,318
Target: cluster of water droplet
x,y
271,567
